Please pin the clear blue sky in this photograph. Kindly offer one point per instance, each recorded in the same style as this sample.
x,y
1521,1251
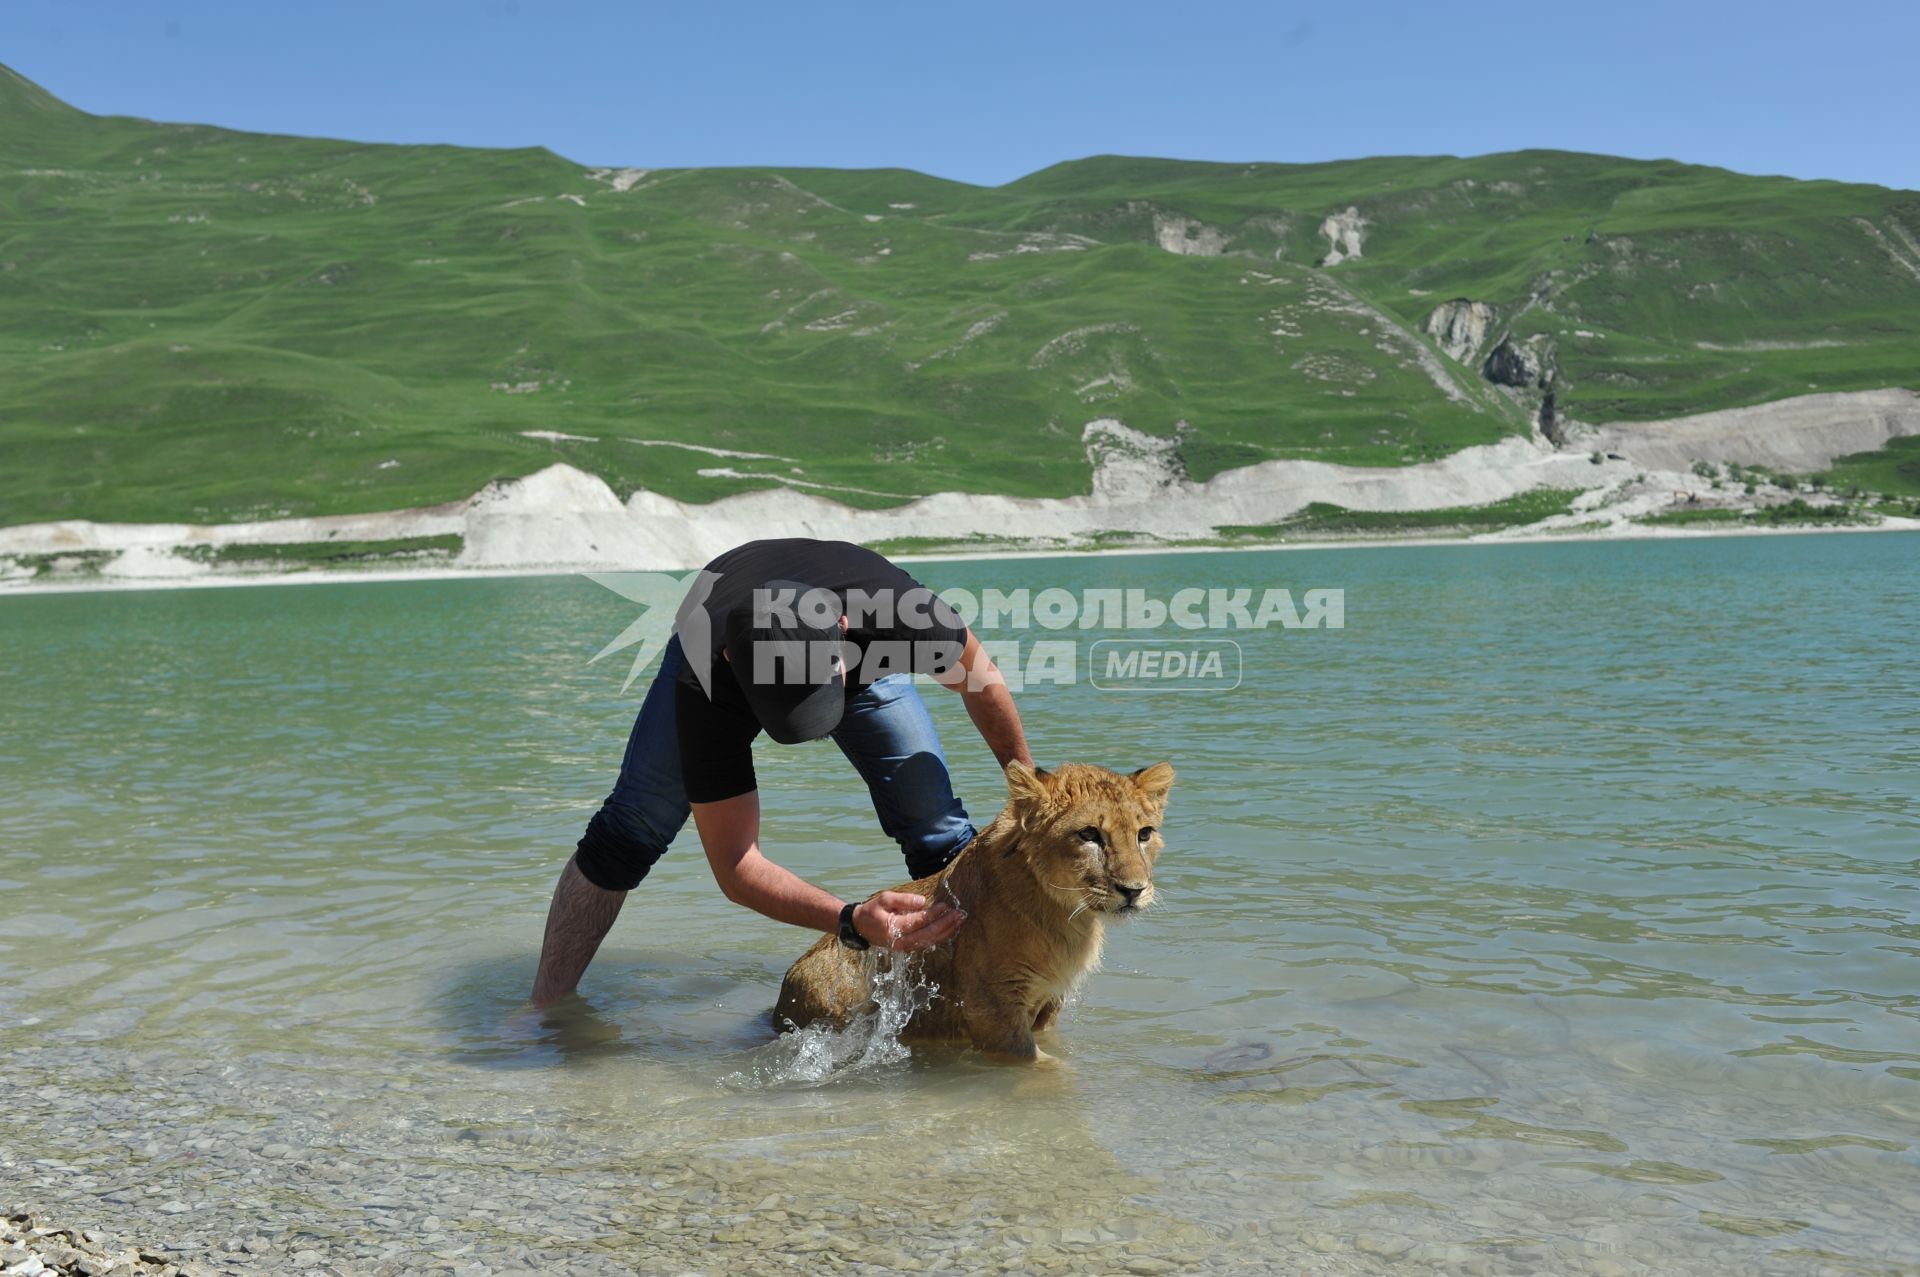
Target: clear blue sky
x,y
986,91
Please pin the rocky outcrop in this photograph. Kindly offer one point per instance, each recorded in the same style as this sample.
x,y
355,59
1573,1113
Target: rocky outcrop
x,y
1525,369
1460,327
1521,365
1549,422
1188,238
1345,232
1132,465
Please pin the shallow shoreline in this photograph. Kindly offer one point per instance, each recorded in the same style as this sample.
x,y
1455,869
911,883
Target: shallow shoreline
x,y
26,1235
321,576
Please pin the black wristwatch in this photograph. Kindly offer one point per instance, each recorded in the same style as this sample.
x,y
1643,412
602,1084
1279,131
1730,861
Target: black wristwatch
x,y
849,934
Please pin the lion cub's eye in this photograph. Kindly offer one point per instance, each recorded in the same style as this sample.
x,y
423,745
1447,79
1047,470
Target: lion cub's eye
x,y
1092,835
1146,833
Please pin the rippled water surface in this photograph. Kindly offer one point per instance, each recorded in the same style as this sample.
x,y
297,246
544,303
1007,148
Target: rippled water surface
x,y
1559,914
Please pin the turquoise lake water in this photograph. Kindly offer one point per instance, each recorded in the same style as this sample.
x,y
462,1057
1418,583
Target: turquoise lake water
x,y
1558,914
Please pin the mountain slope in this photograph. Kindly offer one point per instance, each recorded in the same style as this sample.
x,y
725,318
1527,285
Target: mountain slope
x,y
206,325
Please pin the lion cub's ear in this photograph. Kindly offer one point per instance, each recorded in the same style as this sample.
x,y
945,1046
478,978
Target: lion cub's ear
x,y
1155,781
1024,783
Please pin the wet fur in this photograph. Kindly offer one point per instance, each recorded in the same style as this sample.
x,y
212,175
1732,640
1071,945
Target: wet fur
x,y
1037,899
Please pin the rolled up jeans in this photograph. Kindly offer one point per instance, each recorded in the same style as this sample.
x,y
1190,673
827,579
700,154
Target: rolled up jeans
x,y
886,733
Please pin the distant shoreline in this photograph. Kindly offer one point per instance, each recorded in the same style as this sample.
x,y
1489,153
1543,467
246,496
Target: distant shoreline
x,y
1615,483
320,576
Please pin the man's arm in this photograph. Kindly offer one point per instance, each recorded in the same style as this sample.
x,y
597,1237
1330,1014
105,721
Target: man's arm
x,y
989,703
730,832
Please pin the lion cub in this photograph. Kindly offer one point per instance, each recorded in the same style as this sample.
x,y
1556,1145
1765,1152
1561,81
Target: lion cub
x,y
1071,848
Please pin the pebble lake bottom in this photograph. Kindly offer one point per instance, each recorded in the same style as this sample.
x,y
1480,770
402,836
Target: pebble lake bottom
x,y
1556,915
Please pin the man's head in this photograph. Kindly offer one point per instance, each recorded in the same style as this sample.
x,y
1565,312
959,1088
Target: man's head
x,y
784,648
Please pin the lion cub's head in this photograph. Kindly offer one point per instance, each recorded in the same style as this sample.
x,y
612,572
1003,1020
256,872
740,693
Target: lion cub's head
x,y
1089,835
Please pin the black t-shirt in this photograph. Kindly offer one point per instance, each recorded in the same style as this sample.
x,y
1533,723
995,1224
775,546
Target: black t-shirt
x,y
894,625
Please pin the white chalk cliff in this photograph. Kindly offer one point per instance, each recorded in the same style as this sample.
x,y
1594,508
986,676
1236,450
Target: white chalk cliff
x,y
563,518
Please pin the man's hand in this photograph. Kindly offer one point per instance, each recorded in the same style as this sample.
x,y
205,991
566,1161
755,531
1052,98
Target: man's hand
x,y
903,921
730,831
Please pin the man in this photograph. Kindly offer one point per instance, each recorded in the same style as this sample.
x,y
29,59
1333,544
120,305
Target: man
x,y
802,639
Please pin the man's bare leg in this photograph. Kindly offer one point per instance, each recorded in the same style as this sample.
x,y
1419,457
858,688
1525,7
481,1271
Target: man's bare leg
x,y
577,921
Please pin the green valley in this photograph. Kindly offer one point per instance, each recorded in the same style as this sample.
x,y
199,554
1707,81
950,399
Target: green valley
x,y
203,325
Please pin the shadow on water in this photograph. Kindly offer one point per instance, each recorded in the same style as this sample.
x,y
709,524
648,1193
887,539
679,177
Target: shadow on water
x,y
639,1005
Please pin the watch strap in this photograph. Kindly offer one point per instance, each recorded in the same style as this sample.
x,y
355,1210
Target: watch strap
x,y
849,934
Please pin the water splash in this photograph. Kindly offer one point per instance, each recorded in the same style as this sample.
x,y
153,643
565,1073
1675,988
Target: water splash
x,y
869,1044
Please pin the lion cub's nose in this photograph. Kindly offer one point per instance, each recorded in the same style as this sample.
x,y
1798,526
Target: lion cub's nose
x,y
1131,893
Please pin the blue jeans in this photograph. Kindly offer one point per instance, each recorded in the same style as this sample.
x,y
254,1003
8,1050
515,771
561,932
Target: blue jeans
x,y
886,733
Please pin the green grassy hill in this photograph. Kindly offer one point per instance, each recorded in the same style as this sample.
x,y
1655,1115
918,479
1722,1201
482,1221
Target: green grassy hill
x,y
204,325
